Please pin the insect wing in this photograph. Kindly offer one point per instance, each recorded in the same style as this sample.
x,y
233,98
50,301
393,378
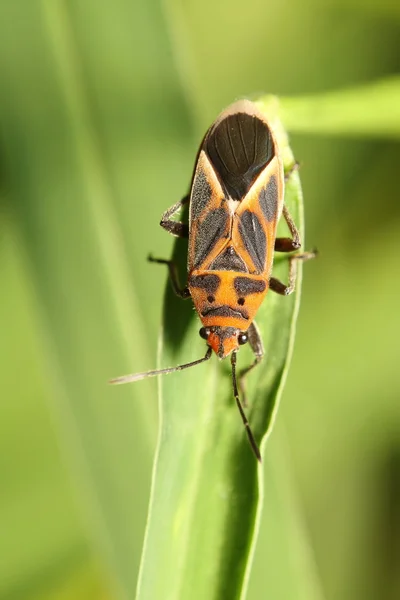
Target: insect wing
x,y
209,219
256,220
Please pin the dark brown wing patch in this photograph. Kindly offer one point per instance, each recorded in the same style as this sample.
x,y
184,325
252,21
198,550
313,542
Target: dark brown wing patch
x,y
228,260
209,232
239,147
269,199
253,239
201,194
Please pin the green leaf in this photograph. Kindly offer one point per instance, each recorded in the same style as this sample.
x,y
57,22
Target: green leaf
x,y
284,565
207,483
369,110
35,488
66,198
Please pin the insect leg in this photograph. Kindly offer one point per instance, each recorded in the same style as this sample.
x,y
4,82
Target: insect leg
x,y
288,244
173,274
175,228
279,287
295,167
139,376
256,345
240,407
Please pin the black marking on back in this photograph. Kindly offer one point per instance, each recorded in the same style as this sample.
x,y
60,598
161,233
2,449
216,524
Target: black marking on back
x,y
269,199
239,147
225,311
201,194
245,286
209,231
209,283
253,238
224,332
228,260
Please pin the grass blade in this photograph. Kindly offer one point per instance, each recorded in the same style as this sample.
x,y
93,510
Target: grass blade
x,y
206,481
371,110
284,565
61,197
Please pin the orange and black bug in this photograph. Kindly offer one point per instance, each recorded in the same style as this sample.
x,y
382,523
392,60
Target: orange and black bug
x,y
235,202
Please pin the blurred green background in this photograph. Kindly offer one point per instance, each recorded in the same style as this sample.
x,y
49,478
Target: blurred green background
x,y
102,107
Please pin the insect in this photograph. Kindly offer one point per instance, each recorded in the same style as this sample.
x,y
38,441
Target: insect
x,y
235,202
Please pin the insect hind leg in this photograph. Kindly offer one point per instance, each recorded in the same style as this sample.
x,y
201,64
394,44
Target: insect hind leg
x,y
295,167
182,292
284,290
284,244
175,228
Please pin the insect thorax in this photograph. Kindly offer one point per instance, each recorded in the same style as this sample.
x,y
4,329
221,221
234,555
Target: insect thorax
x,y
227,298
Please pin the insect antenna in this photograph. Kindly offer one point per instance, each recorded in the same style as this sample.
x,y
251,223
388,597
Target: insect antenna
x,y
240,407
137,376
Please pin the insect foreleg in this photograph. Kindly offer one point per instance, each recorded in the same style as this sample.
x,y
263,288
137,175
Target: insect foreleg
x,y
256,345
246,423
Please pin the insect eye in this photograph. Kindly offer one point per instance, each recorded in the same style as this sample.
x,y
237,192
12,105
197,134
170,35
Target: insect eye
x,y
243,338
204,332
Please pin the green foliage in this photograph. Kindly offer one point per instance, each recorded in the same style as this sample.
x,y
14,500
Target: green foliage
x,y
207,483
96,140
371,110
